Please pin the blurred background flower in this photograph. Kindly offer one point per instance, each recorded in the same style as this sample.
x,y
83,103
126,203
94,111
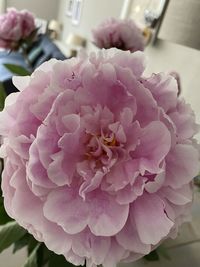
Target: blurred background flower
x,y
16,28
122,34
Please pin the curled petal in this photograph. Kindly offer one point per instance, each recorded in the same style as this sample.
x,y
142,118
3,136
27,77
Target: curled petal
x,y
182,161
154,145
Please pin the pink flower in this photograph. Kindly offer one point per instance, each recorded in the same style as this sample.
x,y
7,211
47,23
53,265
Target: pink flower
x,y
122,34
99,160
15,26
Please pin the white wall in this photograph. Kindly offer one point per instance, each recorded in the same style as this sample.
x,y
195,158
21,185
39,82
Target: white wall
x,y
45,9
93,12
2,6
8,259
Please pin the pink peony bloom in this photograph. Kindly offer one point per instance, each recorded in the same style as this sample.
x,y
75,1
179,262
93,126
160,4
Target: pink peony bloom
x,y
99,160
122,34
15,26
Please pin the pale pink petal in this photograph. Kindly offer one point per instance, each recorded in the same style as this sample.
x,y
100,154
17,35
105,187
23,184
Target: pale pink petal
x,y
46,143
164,89
104,211
146,107
21,82
154,145
156,184
91,183
182,161
136,62
35,170
184,119
128,238
75,217
89,246
74,258
180,196
56,171
55,238
151,221
118,177
116,254
129,193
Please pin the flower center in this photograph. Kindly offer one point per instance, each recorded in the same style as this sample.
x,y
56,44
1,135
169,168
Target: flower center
x,y
110,141
99,149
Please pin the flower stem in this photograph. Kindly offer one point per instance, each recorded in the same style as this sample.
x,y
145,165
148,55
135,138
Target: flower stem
x,y
25,55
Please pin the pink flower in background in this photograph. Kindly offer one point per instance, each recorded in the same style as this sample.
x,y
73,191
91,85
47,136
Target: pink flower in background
x,y
122,34
28,23
99,160
15,26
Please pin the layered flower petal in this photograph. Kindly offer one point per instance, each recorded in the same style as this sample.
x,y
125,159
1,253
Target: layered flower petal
x,y
104,211
75,217
182,162
151,220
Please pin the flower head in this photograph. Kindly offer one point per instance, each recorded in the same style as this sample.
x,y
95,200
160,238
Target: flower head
x,y
98,159
15,26
122,34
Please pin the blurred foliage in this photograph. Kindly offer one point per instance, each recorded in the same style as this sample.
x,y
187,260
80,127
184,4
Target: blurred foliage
x,y
156,254
2,96
16,69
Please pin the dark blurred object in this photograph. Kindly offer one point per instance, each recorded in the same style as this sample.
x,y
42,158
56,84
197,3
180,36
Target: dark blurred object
x,y
42,50
150,18
153,12
148,14
197,181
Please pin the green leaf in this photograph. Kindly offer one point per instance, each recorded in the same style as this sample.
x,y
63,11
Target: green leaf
x,y
10,233
162,251
4,218
197,180
152,256
58,260
2,96
46,255
40,254
32,244
43,255
21,243
32,259
19,70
